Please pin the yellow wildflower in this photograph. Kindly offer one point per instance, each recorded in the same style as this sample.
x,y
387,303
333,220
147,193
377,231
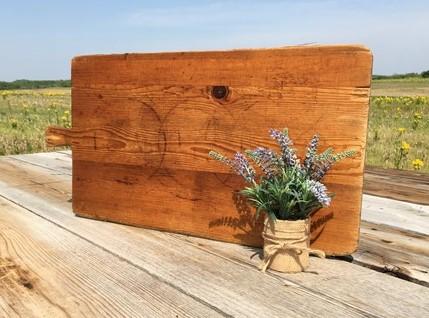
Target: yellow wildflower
x,y
417,116
417,164
405,147
401,130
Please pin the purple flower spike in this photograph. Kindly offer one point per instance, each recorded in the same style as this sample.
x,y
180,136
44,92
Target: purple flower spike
x,y
240,165
288,153
243,167
320,192
311,153
267,159
320,169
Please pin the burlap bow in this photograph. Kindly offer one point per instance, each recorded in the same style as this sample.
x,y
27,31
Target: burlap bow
x,y
278,245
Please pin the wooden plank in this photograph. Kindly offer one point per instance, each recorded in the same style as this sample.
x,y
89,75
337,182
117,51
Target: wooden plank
x,y
14,176
399,252
58,136
154,116
189,261
59,161
337,279
227,291
207,68
400,185
369,293
403,215
176,129
47,271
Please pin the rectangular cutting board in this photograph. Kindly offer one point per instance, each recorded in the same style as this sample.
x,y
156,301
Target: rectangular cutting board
x,y
143,125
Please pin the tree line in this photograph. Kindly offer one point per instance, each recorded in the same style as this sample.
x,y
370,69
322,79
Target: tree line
x,y
29,84
424,74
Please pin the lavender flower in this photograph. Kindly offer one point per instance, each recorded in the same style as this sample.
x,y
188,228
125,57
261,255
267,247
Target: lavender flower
x,y
288,153
311,153
267,159
320,192
243,167
239,165
320,168
287,189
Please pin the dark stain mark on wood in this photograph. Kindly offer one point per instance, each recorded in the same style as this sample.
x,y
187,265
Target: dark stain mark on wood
x,y
127,181
10,272
187,198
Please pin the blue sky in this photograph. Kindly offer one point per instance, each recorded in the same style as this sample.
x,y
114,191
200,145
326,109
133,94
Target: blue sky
x,y
38,38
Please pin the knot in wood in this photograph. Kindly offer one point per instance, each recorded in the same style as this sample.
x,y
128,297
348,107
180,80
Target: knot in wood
x,y
220,92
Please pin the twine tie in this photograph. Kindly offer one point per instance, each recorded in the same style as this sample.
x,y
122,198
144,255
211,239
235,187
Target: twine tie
x,y
281,245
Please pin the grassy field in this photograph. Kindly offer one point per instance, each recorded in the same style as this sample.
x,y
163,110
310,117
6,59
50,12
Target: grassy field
x,y
25,114
398,134
415,86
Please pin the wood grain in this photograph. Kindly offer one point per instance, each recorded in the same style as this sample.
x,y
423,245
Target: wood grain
x,y
318,66
409,186
337,279
194,195
58,136
58,161
46,271
143,125
162,127
396,251
232,282
399,214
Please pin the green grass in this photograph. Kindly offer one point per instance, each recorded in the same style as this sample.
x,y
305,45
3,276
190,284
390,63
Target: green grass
x,y
25,114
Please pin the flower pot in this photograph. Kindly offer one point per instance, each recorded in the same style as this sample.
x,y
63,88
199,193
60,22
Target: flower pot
x,y
286,245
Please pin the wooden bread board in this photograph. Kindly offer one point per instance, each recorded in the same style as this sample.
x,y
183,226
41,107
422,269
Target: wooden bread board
x,y
143,125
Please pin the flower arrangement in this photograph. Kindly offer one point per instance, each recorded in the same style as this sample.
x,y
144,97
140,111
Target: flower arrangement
x,y
289,192
287,189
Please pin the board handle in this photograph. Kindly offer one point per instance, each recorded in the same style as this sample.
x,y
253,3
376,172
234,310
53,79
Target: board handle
x,y
58,136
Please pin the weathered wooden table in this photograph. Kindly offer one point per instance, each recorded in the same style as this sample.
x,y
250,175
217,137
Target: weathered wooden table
x,y
54,264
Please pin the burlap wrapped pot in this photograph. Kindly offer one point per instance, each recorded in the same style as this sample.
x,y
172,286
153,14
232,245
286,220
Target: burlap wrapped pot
x,y
286,245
